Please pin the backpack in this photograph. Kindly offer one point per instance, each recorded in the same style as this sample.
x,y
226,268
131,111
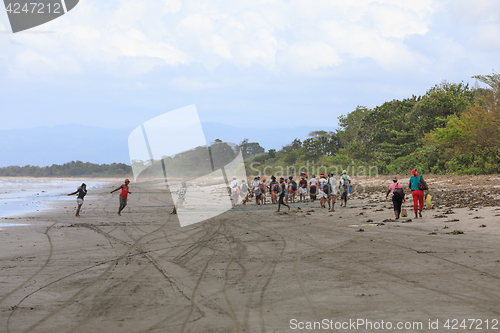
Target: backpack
x,y
294,185
345,186
244,187
275,187
398,191
327,188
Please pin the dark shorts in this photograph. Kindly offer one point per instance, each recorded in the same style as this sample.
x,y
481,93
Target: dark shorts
x,y
258,196
397,201
281,201
123,202
343,196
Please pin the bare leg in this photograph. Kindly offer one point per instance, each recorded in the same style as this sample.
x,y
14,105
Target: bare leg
x,y
78,211
120,209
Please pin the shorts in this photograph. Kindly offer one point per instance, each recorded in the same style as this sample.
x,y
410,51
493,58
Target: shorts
x,y
257,196
79,201
123,201
313,190
313,196
343,196
281,201
291,191
333,197
322,194
302,190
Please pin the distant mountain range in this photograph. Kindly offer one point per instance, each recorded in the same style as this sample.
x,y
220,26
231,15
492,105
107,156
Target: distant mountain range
x,y
44,146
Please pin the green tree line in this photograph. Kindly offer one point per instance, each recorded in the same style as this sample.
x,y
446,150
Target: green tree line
x,y
453,128
71,169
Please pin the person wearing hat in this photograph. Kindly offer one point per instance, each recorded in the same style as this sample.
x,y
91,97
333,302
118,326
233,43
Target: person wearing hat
x,y
344,183
417,191
398,196
123,195
82,192
235,191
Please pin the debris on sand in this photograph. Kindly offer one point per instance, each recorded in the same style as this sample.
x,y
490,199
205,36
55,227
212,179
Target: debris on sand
x,y
368,221
440,216
432,233
406,221
482,226
379,210
388,220
310,211
446,227
454,220
449,211
426,251
455,232
360,230
477,217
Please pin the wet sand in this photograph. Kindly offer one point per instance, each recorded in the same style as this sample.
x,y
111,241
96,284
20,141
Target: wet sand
x,y
252,269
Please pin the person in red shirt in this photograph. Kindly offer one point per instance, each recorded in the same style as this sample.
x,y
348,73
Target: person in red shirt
x,y
123,195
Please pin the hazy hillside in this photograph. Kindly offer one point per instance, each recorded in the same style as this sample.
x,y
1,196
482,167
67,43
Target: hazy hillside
x,y
59,144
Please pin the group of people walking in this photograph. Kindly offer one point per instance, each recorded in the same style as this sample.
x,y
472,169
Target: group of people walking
x,y
284,190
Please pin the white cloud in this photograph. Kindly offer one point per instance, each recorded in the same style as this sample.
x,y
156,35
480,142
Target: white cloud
x,y
278,35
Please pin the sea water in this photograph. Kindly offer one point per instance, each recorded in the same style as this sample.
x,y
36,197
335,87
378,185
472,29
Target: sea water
x,y
19,196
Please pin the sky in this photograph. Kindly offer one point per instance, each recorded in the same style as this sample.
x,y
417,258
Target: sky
x,y
245,63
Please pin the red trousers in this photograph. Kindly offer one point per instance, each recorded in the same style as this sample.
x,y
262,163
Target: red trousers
x,y
418,200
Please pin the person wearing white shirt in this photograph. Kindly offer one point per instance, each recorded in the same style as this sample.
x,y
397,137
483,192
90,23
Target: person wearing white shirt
x,y
345,181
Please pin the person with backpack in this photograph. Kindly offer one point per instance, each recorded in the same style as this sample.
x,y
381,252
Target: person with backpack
x,y
398,196
417,186
323,195
332,192
282,192
273,188
345,181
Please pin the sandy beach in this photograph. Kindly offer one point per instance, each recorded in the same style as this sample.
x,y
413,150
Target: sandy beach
x,y
254,270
